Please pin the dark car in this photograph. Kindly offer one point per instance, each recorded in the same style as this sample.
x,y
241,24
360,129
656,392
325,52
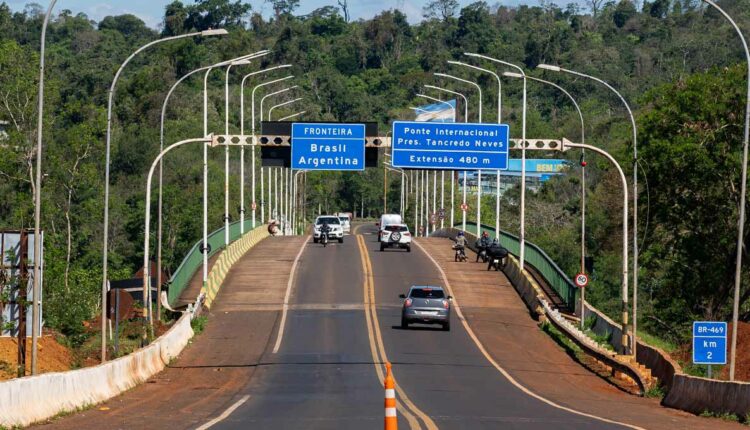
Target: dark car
x,y
426,305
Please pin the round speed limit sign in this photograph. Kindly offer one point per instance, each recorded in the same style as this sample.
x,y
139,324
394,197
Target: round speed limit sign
x,y
582,280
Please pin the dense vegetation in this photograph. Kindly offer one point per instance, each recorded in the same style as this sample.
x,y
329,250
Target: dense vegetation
x,y
677,63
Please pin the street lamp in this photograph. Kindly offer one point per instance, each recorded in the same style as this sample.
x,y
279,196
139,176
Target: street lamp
x,y
522,253
36,288
466,102
270,111
242,149
111,93
146,237
294,115
635,205
624,226
583,176
499,86
456,78
741,222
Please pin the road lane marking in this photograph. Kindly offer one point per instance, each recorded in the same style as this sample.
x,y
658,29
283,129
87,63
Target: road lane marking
x,y
285,307
497,366
377,347
224,414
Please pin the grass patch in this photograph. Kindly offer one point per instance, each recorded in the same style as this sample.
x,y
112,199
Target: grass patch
x,y
658,342
655,392
199,324
568,345
725,416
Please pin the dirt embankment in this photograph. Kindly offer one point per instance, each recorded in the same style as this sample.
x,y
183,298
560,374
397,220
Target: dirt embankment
x,y
52,356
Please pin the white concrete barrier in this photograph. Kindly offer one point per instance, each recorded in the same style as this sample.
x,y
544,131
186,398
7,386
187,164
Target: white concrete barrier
x,y
24,401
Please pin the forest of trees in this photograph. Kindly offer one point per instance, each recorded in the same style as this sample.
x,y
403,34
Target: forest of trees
x,y
679,64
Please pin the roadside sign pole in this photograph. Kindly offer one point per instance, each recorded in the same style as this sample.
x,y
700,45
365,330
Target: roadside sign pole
x,y
442,197
453,199
497,205
464,205
479,203
262,195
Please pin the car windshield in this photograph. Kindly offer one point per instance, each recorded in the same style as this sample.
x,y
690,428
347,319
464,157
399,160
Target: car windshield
x,y
426,293
396,228
343,219
328,220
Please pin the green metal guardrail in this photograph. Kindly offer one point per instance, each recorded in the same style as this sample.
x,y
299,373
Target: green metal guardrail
x,y
194,259
534,256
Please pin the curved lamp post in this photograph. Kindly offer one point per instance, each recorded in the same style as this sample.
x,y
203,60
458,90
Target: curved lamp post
x,y
474,84
270,111
625,322
446,90
110,97
147,233
741,222
583,177
522,253
294,115
36,288
242,150
499,86
275,93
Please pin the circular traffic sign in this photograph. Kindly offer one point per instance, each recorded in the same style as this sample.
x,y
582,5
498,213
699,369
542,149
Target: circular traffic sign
x,y
582,280
464,207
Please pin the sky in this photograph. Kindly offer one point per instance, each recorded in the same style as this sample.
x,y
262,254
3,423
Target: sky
x,y
152,11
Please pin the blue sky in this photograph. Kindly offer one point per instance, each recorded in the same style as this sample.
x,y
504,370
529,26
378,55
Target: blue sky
x,y
151,11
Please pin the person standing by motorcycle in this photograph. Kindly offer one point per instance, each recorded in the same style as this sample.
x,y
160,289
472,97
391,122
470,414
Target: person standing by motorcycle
x,y
482,244
460,245
324,230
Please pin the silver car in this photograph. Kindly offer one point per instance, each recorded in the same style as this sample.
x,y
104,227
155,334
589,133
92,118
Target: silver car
x,y
426,305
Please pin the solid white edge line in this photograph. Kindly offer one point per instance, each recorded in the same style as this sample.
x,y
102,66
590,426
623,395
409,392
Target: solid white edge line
x,y
497,366
224,414
289,284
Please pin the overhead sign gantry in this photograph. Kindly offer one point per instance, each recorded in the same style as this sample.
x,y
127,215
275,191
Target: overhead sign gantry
x,y
326,146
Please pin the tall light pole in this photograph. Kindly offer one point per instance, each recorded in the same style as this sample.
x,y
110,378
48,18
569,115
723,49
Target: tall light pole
x,y
274,107
522,253
242,150
110,97
479,172
625,322
36,288
275,93
226,154
743,189
497,172
446,90
474,84
583,175
147,225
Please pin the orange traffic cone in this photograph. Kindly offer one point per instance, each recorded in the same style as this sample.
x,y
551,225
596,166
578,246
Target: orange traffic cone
x,y
391,422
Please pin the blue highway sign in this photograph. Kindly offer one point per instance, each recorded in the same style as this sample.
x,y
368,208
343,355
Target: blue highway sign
x,y
454,146
709,342
328,146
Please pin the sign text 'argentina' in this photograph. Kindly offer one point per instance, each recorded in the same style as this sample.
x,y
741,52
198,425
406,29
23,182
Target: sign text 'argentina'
x,y
427,145
318,146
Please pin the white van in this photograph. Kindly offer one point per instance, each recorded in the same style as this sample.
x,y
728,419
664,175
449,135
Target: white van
x,y
387,219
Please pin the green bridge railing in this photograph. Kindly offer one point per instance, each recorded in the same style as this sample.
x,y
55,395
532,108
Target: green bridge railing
x,y
535,256
194,259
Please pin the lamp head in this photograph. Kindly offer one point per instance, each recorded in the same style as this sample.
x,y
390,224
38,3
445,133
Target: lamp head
x,y
548,67
240,62
512,75
214,32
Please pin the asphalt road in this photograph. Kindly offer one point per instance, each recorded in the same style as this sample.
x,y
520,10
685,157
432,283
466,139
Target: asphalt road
x,y
324,375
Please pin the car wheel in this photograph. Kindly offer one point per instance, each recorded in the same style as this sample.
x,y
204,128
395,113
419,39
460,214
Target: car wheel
x,y
404,323
447,326
408,249
382,247
341,240
315,240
